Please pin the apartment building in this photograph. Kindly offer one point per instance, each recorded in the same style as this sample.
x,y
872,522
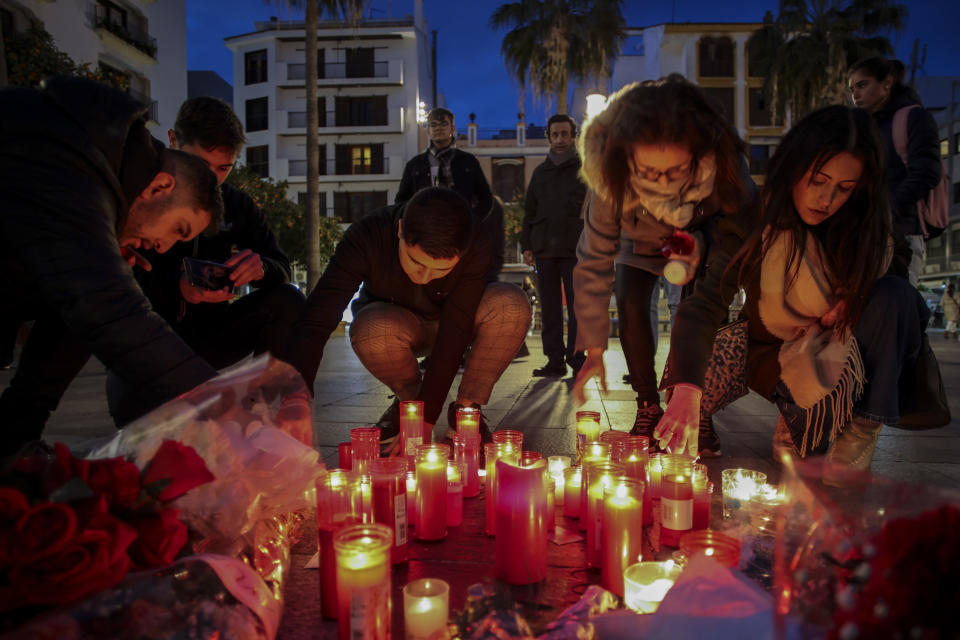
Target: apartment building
x,y
145,40
371,81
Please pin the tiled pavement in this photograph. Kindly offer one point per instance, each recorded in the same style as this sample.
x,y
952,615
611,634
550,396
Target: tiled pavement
x,y
347,396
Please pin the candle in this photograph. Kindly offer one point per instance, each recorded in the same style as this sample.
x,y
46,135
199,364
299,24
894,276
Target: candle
x,y
426,605
492,452
676,498
412,497
411,428
468,420
701,497
763,509
466,451
363,581
588,430
571,491
622,542
634,454
509,435
521,545
613,438
645,584
454,494
600,475
390,501
365,444
556,465
345,456
339,504
654,469
595,453
739,486
432,491
551,501
723,548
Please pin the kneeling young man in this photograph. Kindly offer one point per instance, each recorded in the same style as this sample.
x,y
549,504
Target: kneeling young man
x,y
425,291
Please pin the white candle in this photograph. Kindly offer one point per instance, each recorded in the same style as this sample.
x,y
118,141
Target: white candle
x,y
425,607
645,584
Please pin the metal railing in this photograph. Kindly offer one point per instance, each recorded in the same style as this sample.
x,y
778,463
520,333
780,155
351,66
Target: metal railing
x,y
298,120
133,36
340,70
298,168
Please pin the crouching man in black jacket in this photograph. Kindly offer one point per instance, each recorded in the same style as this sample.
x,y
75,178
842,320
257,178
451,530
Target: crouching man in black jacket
x,y
82,183
221,331
424,270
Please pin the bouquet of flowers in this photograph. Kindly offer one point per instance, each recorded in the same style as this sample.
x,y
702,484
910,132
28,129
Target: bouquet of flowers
x,y
876,559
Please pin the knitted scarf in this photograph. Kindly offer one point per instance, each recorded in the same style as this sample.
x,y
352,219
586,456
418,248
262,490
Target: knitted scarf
x,y
822,368
440,160
674,204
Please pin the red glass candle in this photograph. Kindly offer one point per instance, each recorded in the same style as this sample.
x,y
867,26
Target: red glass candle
x,y
365,444
363,581
676,498
588,430
412,497
432,491
571,491
468,420
521,547
466,451
701,498
509,435
454,494
654,473
492,452
600,475
634,454
595,452
339,504
390,501
345,456
622,529
411,428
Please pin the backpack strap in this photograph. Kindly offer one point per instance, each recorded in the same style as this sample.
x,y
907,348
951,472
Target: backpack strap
x,y
899,129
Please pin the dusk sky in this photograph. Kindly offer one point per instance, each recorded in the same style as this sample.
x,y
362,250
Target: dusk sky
x,y
471,74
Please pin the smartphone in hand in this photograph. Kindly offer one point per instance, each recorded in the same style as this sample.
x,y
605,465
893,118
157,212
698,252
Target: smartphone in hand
x,y
207,275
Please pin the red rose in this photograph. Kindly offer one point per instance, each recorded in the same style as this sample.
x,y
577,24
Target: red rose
x,y
161,536
12,505
180,465
44,530
117,479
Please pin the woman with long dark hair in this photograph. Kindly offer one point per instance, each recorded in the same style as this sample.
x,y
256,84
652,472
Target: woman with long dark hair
x,y
828,332
662,164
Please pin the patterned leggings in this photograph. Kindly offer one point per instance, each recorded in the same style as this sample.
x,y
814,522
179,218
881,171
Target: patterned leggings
x,y
388,339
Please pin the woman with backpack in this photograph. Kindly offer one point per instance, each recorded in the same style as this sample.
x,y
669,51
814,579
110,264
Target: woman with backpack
x,y
876,85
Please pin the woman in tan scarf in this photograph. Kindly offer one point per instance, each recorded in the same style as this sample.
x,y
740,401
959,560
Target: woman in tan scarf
x,y
828,335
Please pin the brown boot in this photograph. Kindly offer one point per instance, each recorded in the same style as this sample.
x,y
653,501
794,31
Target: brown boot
x,y
851,451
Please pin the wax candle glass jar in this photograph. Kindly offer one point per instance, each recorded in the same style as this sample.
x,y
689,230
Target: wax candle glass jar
x,y
411,428
676,498
739,486
389,477
426,605
701,497
719,546
654,473
454,494
432,491
509,435
600,475
622,530
345,456
763,509
521,529
339,505
529,457
588,430
492,452
412,496
363,581
468,420
466,451
571,491
613,437
365,442
645,584
595,452
556,465
634,454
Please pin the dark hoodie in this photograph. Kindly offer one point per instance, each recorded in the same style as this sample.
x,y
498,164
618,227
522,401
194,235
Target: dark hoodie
x,y
911,182
73,157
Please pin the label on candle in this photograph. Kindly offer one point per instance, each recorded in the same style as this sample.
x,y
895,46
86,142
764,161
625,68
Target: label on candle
x,y
677,514
400,519
366,607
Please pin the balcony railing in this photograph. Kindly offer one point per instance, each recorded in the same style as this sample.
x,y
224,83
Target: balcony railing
x,y
340,70
131,35
298,120
298,168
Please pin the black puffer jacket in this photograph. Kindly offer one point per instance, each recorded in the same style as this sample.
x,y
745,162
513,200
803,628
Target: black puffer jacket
x,y
552,220
910,182
73,157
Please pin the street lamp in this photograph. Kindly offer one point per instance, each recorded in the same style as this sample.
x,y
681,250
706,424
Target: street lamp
x,y
421,112
596,102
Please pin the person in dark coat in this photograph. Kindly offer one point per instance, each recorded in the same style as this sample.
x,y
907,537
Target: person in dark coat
x,y
443,165
218,327
876,86
552,223
83,185
423,268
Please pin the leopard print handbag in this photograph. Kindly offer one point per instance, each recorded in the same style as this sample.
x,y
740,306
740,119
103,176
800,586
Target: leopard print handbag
x,y
726,378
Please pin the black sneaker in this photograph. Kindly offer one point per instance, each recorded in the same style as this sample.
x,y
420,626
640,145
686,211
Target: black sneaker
x,y
648,415
389,424
708,442
485,435
576,361
553,369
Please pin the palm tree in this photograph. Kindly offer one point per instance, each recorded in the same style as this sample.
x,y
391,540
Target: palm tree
x,y
352,12
807,50
551,41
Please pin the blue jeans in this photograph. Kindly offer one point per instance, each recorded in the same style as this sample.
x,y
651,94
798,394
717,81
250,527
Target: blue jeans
x,y
889,335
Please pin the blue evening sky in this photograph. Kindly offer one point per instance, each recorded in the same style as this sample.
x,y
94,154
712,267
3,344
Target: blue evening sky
x,y
472,76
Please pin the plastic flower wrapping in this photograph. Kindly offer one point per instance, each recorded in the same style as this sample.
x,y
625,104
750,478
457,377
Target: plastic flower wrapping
x,y
243,479
875,559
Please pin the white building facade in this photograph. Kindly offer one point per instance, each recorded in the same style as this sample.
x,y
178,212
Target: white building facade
x,y
371,81
146,40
